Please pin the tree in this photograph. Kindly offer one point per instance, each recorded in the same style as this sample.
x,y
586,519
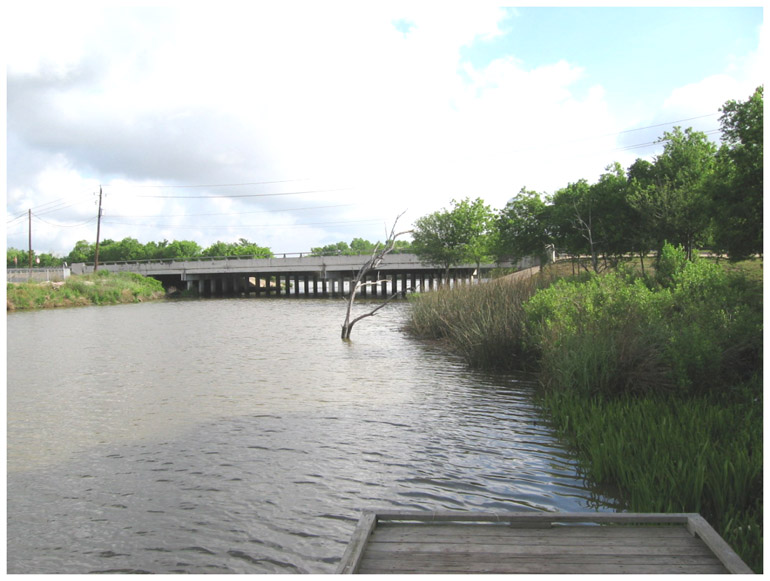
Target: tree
x,y
335,249
676,200
361,246
83,251
474,221
378,254
450,237
640,225
575,208
180,249
242,248
17,258
737,184
524,227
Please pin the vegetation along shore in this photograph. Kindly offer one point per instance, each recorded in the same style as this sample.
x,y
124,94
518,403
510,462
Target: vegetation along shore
x,y
101,288
654,379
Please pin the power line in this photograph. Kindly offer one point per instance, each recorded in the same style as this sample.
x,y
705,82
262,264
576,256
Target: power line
x,y
212,185
232,213
247,195
661,124
38,218
242,226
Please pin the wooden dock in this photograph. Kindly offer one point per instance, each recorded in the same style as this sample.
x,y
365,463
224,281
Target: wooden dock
x,y
537,542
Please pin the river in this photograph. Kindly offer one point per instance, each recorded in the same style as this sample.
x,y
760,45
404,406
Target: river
x,y
243,436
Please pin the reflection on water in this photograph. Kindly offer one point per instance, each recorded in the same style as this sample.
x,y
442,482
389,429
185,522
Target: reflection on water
x,y
243,436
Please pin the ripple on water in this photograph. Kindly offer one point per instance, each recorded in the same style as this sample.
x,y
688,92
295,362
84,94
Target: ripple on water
x,y
238,451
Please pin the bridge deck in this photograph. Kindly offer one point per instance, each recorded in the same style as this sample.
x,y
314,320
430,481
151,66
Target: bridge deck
x,y
537,543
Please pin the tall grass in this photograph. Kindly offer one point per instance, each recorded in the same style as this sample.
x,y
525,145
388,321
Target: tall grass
x,y
484,323
666,454
656,381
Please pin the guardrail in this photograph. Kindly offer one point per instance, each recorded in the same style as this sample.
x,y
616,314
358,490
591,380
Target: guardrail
x,y
38,274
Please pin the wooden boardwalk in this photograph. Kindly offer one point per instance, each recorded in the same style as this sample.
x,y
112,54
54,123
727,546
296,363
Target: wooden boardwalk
x,y
537,542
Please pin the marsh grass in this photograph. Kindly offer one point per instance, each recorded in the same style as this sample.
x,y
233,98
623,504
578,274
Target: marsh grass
x,y
656,380
668,454
485,323
101,288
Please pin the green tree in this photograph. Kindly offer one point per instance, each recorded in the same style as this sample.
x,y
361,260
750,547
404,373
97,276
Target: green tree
x,y
402,247
127,249
640,225
361,246
450,237
737,185
83,251
524,227
181,249
677,200
475,220
241,248
17,258
331,249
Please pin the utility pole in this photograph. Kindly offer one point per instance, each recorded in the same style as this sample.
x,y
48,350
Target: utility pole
x,y
98,228
29,213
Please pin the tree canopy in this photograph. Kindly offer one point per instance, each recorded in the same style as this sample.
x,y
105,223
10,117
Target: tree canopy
x,y
453,236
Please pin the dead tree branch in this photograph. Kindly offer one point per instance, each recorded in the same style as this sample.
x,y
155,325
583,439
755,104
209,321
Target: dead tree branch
x,y
378,254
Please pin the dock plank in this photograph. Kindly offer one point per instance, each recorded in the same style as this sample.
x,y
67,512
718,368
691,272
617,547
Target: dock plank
x,y
491,543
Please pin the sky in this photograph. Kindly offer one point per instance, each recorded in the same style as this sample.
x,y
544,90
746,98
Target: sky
x,y
300,124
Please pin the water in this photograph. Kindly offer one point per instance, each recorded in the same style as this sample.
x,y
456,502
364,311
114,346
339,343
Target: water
x,y
243,436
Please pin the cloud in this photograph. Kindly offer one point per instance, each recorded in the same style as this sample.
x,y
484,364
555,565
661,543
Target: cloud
x,y
375,102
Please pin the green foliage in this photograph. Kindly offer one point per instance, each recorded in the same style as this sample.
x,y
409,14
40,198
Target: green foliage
x,y
698,332
671,263
241,248
484,323
675,455
524,227
736,187
676,199
100,288
358,247
450,237
335,249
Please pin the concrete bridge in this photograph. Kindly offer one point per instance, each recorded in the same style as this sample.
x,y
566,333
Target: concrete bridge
x,y
300,275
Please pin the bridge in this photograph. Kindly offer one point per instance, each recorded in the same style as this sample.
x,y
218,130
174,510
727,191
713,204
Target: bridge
x,y
296,275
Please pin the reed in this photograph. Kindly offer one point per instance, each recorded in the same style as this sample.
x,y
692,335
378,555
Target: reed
x,y
484,323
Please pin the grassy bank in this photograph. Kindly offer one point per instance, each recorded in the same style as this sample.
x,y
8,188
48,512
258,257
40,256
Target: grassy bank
x,y
101,288
655,381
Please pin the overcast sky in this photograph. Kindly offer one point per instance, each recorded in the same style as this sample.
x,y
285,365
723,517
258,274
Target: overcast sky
x,y
299,124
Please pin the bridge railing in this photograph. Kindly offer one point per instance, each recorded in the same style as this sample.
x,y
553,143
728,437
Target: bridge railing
x,y
55,274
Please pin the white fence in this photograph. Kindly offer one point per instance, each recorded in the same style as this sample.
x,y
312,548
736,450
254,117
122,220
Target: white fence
x,y
38,274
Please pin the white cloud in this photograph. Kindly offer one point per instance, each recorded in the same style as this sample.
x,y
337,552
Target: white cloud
x,y
337,93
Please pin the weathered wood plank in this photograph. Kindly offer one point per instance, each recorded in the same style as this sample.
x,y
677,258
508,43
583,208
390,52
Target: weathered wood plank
x,y
396,550
456,542
498,567
506,535
577,559
355,550
734,564
524,517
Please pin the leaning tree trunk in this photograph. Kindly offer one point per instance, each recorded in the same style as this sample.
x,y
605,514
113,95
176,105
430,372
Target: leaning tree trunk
x,y
372,263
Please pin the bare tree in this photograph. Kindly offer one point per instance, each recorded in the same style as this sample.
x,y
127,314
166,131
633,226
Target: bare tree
x,y
378,254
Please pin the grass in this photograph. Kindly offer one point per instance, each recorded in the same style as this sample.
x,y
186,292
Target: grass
x,y
668,454
101,288
656,381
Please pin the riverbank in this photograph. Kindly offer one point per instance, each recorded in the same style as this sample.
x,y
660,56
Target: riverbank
x,y
655,381
101,288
